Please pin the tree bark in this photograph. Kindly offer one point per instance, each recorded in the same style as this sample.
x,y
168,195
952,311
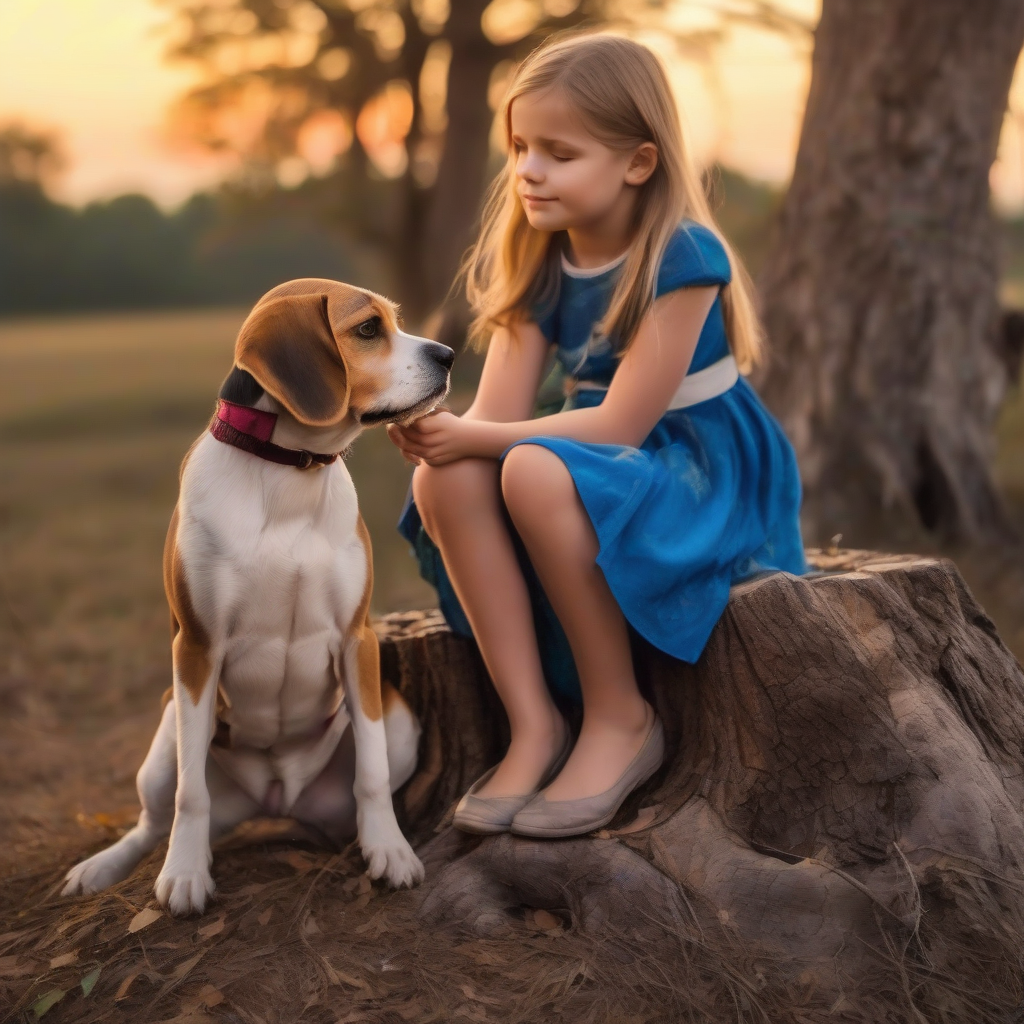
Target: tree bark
x,y
461,176
842,797
437,221
880,298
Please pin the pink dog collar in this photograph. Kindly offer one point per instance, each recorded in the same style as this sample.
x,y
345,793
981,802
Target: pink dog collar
x,y
251,430
254,422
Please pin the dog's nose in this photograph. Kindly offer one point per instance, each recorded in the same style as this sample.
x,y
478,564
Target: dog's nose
x,y
441,354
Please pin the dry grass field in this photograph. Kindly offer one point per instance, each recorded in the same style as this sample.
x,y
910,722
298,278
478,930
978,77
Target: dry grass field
x,y
95,416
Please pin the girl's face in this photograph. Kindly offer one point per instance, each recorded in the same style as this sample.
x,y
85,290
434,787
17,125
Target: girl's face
x,y
565,177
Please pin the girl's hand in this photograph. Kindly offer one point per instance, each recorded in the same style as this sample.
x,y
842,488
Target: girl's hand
x,y
436,439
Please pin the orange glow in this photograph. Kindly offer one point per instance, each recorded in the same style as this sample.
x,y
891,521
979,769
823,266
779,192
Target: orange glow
x,y
382,126
323,138
93,71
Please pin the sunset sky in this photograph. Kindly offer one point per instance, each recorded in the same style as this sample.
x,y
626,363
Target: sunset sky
x,y
92,70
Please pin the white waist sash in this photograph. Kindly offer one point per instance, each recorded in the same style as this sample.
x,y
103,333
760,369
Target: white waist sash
x,y
712,381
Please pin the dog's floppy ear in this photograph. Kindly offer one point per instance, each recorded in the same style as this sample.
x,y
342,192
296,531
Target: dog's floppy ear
x,y
287,344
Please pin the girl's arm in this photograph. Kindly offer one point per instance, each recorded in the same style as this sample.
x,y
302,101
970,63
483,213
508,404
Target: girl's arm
x,y
640,391
511,375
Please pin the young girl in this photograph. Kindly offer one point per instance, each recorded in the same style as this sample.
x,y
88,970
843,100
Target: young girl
x,y
661,483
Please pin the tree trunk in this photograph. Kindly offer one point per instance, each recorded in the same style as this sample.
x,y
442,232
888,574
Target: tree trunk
x,y
842,798
880,299
439,221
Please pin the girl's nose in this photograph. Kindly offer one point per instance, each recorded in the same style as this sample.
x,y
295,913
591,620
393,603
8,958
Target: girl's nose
x,y
528,167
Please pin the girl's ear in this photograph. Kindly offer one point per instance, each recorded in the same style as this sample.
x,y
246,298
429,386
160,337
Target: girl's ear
x,y
288,345
642,164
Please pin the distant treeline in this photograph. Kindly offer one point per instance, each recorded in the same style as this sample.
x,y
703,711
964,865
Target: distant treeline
x,y
231,246
224,247
127,253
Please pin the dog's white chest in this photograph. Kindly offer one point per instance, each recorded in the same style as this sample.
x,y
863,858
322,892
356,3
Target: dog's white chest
x,y
287,573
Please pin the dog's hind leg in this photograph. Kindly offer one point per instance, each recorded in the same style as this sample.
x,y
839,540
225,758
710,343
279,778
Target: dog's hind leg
x,y
156,781
328,802
230,805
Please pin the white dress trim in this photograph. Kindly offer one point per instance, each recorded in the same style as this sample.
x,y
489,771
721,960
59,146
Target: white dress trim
x,y
573,271
712,381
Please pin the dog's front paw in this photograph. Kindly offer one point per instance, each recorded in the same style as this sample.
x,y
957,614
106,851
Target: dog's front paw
x,y
183,892
393,860
100,871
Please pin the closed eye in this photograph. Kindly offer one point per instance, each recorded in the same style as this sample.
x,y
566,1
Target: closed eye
x,y
369,328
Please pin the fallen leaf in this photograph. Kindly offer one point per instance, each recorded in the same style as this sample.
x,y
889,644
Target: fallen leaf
x,y
347,979
9,967
298,860
88,983
470,993
643,819
143,919
251,890
264,918
375,927
122,989
545,921
182,969
46,1001
64,959
210,996
213,928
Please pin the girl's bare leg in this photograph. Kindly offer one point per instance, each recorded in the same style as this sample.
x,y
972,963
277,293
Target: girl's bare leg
x,y
547,511
460,505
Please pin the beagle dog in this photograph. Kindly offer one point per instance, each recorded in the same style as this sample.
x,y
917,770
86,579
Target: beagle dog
x,y
268,573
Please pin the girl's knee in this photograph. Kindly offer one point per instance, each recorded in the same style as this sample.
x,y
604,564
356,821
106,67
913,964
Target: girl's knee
x,y
532,479
440,491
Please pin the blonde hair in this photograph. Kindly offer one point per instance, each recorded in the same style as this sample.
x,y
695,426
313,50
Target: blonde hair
x,y
622,94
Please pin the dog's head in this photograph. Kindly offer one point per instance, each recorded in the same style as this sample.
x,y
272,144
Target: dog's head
x,y
328,351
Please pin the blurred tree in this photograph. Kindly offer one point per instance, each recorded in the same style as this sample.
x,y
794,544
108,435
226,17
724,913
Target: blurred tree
x,y
28,156
406,89
881,293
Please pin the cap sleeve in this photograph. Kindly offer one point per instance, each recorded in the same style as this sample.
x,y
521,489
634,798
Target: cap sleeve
x,y
694,256
545,316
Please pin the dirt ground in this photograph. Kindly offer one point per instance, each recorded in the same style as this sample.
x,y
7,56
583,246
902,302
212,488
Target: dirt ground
x,y
95,415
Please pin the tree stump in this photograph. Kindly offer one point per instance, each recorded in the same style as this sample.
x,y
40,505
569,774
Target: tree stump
x,y
842,798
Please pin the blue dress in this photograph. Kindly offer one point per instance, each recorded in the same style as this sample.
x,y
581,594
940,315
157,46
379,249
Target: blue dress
x,y
710,498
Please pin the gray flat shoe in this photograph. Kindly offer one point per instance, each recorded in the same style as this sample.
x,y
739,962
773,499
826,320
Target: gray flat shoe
x,y
551,819
488,815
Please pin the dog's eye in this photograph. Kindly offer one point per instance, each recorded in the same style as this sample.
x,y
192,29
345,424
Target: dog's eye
x,y
369,328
